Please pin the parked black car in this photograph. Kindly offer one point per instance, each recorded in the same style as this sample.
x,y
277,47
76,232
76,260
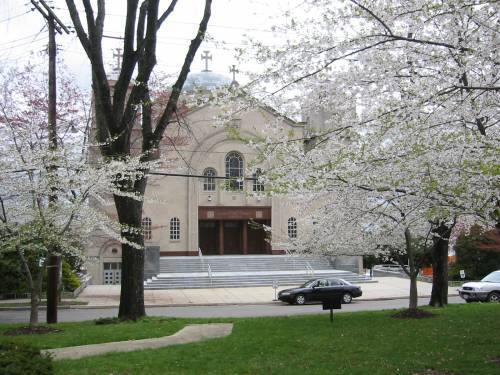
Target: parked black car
x,y
320,289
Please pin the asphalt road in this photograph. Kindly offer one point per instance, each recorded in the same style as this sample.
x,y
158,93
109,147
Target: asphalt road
x,y
222,311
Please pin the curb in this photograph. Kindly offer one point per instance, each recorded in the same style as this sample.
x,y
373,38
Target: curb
x,y
148,306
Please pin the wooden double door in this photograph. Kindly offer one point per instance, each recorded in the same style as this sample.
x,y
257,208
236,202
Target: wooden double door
x,y
231,237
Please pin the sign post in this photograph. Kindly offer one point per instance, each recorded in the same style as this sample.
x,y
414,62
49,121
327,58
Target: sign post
x,y
333,303
462,274
275,287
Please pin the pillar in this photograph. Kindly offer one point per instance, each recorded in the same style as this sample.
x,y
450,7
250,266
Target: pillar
x,y
221,237
245,237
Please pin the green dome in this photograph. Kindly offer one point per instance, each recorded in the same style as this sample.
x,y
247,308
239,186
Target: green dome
x,y
205,80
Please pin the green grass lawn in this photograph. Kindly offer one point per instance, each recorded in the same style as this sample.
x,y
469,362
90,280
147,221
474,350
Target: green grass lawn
x,y
461,339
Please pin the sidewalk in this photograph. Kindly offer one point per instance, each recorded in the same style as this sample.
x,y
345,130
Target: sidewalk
x,y
190,333
109,295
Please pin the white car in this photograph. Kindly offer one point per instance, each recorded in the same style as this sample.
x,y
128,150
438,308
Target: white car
x,y
488,289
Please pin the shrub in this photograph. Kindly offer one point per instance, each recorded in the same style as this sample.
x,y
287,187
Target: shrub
x,y
69,279
12,278
20,359
474,255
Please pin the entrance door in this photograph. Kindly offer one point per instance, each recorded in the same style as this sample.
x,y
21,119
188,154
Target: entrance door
x,y
208,237
112,273
233,243
257,243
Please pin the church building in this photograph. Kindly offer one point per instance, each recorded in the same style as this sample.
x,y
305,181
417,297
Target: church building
x,y
208,199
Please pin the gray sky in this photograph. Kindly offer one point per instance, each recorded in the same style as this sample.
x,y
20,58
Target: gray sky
x,y
23,33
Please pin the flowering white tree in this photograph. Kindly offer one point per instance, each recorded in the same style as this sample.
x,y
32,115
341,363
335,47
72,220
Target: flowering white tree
x,y
44,191
127,104
407,93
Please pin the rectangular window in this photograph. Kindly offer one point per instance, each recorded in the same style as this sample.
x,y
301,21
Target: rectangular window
x,y
257,185
175,229
209,180
146,228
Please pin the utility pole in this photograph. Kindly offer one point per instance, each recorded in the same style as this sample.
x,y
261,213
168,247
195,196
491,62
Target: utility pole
x,y
54,262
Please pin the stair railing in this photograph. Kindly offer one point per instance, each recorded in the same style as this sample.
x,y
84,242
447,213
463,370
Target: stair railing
x,y
289,256
200,255
309,269
209,274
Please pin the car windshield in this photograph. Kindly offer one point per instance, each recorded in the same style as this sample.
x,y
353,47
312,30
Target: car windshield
x,y
493,277
308,283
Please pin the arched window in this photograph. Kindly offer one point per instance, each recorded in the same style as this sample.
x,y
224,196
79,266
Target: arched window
x,y
175,228
292,227
257,185
209,180
234,171
146,228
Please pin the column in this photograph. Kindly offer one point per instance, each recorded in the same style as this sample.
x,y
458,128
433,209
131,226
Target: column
x,y
245,237
221,237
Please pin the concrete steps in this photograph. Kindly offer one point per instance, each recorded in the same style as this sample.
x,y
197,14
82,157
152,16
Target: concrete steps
x,y
241,271
239,263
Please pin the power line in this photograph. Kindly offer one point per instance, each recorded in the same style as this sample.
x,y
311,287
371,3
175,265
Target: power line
x,y
203,176
24,44
20,39
107,35
195,24
14,17
201,151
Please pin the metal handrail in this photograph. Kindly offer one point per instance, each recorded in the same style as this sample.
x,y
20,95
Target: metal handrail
x,y
210,274
200,255
309,269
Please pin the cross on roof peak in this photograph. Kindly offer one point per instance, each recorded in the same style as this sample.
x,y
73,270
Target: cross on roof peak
x,y
206,56
117,54
232,69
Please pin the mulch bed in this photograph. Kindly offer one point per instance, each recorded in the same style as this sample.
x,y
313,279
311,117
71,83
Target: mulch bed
x,y
413,314
431,371
37,330
495,360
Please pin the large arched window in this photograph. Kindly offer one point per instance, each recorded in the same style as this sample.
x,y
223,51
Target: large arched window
x,y
209,180
257,185
175,228
292,227
234,170
146,228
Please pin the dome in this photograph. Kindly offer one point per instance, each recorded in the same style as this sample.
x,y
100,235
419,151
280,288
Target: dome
x,y
205,80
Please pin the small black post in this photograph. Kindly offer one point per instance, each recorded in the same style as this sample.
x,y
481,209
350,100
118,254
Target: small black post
x,y
52,287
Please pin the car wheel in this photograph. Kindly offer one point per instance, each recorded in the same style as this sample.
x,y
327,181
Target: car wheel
x,y
346,298
300,299
494,297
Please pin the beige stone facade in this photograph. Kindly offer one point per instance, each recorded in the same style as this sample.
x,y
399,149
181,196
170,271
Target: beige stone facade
x,y
184,214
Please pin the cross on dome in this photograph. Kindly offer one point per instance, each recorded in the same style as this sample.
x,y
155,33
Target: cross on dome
x,y
206,56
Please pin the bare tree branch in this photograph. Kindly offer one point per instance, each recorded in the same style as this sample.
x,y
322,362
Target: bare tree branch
x,y
167,12
176,89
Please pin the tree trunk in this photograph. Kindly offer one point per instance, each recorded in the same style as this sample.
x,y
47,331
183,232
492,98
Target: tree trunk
x,y
413,291
439,294
34,303
33,287
132,284
412,272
